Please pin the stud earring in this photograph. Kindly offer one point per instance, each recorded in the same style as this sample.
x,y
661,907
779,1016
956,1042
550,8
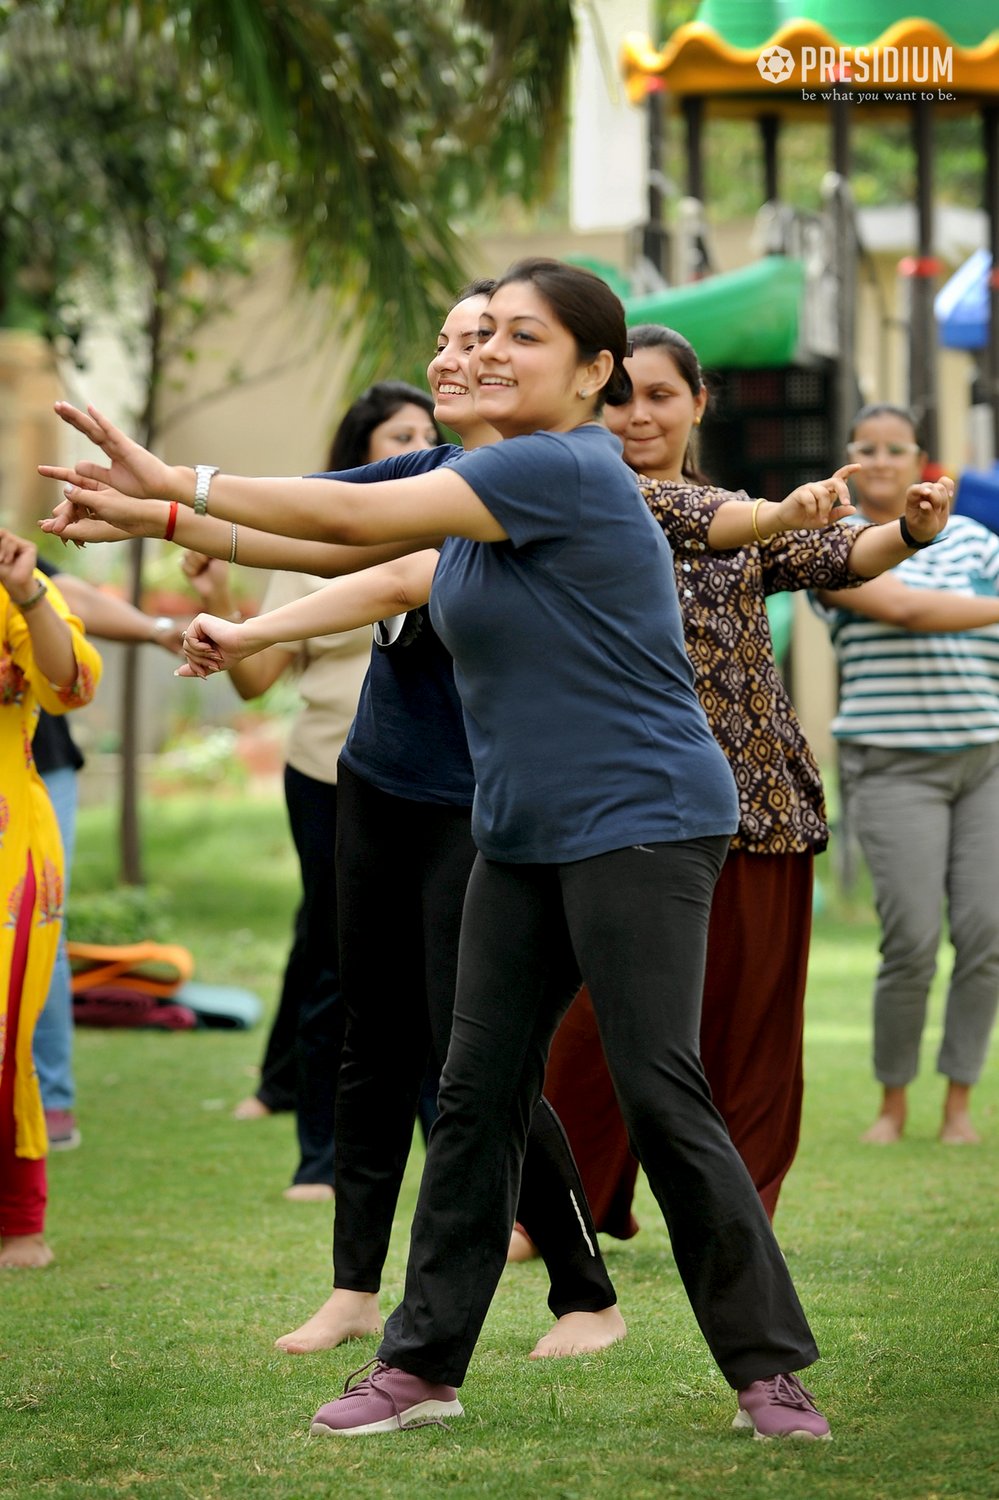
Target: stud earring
x,y
582,395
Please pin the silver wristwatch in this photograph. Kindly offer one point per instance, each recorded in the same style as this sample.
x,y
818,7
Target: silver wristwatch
x,y
203,476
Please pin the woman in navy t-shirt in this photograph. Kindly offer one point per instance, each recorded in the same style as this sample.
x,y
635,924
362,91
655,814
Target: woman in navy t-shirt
x,y
602,813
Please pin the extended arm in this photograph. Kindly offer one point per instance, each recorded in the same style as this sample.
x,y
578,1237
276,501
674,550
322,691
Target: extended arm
x,y
122,517
812,506
113,619
436,504
738,524
214,645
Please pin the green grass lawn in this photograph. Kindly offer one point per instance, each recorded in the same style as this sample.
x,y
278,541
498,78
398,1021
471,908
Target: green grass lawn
x,y
140,1364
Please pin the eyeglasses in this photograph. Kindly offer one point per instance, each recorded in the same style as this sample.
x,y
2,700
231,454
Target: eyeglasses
x,y
864,452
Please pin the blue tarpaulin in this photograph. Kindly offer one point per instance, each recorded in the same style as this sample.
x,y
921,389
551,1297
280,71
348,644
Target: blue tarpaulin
x,y
962,304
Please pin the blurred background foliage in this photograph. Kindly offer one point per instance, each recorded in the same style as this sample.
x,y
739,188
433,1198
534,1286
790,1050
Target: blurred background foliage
x,y
160,137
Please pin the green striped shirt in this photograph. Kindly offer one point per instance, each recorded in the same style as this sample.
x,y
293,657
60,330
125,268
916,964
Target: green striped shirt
x,y
903,689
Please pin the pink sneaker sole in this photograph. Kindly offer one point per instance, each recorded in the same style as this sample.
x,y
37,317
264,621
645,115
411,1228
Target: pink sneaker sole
x,y
420,1415
744,1422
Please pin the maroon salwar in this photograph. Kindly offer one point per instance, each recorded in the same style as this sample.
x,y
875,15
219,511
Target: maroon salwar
x,y
753,1014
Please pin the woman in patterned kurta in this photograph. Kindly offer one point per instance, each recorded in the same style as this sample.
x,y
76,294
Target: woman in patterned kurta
x,y
753,1012
45,662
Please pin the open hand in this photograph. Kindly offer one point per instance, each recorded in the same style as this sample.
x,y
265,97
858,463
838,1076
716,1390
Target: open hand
x,y
132,469
93,512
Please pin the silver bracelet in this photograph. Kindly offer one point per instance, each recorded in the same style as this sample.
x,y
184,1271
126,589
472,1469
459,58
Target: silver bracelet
x,y
36,598
232,548
203,476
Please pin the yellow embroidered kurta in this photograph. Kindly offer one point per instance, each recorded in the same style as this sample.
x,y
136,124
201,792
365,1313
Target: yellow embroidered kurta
x,y
28,825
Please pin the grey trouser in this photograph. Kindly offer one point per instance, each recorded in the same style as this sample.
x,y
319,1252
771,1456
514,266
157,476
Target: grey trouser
x,y
929,828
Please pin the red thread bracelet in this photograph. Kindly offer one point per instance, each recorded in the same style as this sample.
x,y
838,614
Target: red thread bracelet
x,y
171,522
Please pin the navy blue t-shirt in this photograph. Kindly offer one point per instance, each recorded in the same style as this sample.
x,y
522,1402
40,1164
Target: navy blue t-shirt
x,y
408,736
585,730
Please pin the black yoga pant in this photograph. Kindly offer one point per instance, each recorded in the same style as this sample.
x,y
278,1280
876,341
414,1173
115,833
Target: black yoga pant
x,y
402,870
632,924
302,1056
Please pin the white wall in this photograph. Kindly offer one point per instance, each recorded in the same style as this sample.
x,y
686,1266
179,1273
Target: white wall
x,y
609,142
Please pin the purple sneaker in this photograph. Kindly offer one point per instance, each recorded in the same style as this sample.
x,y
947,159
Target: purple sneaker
x,y
387,1400
780,1407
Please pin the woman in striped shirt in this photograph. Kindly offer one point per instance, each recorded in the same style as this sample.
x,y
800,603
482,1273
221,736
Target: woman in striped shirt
x,y
918,728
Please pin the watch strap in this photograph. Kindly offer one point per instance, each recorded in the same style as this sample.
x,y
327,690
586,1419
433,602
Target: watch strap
x,y
203,476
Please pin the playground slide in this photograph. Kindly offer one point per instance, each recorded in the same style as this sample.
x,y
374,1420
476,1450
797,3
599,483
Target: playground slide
x,y
738,320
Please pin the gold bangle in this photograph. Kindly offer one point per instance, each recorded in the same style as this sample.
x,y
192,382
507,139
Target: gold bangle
x,y
756,530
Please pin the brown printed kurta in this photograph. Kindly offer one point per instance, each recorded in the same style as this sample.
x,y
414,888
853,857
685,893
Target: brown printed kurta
x,y
727,633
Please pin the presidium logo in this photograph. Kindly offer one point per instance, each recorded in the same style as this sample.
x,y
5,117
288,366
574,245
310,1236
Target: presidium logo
x,y
775,64
820,67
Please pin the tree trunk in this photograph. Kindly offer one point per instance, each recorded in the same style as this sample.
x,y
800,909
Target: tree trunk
x,y
129,828
130,832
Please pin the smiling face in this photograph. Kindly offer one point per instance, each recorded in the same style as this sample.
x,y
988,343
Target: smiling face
x,y
447,373
890,460
656,423
526,370
407,430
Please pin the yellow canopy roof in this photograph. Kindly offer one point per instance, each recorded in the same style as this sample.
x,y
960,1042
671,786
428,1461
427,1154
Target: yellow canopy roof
x,y
913,54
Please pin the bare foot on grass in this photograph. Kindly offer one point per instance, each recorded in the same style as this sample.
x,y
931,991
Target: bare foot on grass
x,y
25,1252
581,1333
309,1192
251,1108
885,1131
521,1248
345,1315
957,1129
890,1123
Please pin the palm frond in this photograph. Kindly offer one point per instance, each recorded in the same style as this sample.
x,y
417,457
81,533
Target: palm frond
x,y
378,121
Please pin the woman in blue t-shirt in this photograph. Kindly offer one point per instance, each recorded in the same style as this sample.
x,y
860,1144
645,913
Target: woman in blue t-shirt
x,y
602,813
404,852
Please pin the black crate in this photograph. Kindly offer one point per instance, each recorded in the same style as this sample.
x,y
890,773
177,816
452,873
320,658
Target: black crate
x,y
767,431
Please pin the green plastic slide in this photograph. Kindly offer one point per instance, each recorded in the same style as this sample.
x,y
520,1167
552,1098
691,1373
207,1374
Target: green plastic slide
x,y
738,320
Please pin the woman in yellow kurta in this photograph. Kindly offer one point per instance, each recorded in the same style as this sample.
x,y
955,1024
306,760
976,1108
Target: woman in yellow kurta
x,y
45,662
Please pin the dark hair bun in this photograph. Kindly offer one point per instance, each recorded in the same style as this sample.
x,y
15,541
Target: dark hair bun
x,y
619,390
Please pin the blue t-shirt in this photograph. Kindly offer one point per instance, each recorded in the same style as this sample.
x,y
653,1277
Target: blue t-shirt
x,y
408,736
585,729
